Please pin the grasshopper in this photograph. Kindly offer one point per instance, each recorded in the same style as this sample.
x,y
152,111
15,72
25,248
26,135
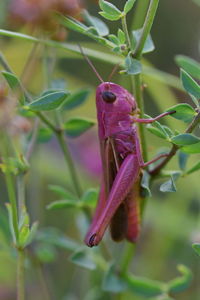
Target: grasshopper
x,y
122,163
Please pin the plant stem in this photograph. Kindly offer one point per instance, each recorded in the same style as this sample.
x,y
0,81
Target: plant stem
x,y
45,120
125,29
139,14
13,202
32,142
127,257
175,148
20,275
20,194
61,139
146,27
140,102
10,188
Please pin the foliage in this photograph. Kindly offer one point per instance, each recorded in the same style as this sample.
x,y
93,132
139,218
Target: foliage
x,y
47,133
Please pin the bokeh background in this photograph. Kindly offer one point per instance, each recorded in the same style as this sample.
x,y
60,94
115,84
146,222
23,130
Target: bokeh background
x,y
171,220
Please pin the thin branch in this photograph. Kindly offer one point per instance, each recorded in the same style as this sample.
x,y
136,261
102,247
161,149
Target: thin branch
x,y
175,148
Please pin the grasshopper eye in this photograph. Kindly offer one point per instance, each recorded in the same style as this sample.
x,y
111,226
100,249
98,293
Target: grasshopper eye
x,y
108,97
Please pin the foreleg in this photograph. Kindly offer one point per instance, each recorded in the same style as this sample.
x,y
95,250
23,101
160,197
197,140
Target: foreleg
x,y
151,120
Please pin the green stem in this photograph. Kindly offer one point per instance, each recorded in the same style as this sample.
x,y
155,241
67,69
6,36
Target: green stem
x,y
61,139
139,14
127,257
45,120
140,102
125,29
13,202
20,275
20,194
10,187
146,27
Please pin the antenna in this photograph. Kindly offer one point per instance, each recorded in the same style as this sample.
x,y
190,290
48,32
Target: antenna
x,y
90,63
113,71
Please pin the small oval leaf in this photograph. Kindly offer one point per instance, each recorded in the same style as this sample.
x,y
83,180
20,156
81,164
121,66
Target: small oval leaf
x,y
77,126
128,5
148,46
195,168
191,149
189,65
184,112
156,131
121,36
60,204
90,197
48,102
83,259
113,283
76,99
132,65
109,8
190,85
185,139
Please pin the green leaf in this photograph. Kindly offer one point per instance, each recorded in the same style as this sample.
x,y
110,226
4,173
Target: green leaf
x,y
32,234
196,248
191,149
10,219
128,5
44,135
112,283
121,36
101,28
45,253
148,46
61,191
90,197
48,102
14,84
190,85
113,38
108,16
156,131
169,186
189,65
168,131
109,8
145,183
185,139
57,238
132,65
83,259
195,168
72,24
81,28
60,204
181,283
145,287
76,99
182,160
184,112
77,126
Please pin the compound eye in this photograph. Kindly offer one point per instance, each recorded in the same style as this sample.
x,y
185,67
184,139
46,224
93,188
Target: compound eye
x,y
108,97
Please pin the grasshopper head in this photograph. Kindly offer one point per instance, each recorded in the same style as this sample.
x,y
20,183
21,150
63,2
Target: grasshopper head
x,y
110,95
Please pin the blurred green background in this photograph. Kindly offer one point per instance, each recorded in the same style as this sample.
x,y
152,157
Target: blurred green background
x,y
171,220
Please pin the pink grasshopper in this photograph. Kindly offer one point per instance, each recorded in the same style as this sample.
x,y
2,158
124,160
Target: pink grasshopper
x,y
119,199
